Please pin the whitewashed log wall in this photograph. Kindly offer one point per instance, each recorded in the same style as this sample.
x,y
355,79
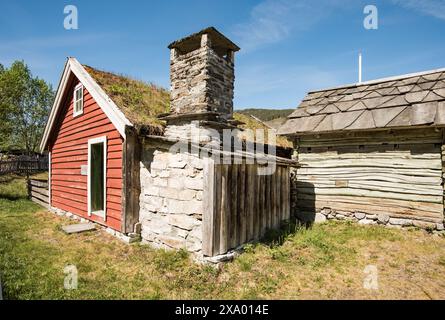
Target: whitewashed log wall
x,y
395,173
240,205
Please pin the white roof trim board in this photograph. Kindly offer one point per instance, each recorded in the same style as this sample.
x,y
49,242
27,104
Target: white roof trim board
x,y
115,115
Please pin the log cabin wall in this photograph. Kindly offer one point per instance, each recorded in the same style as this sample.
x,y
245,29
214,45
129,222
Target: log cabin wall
x,y
240,205
389,177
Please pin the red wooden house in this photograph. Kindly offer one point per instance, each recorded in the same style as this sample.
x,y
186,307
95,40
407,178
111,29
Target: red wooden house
x,y
86,136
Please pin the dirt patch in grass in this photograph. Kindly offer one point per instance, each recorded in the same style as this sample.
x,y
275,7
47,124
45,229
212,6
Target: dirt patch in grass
x,y
324,262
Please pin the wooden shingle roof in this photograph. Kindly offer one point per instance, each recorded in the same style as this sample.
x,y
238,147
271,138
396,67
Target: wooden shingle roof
x,y
398,102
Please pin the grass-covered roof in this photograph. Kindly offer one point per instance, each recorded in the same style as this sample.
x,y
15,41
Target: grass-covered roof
x,y
142,102
249,122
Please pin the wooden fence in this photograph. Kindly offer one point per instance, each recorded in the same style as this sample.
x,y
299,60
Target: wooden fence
x,y
241,205
23,166
38,191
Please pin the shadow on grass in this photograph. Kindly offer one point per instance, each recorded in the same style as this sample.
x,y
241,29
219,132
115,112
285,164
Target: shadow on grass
x,y
276,237
6,179
12,197
13,187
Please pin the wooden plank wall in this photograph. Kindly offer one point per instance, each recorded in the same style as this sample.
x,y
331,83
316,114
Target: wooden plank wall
x,y
69,152
396,173
38,192
131,180
241,205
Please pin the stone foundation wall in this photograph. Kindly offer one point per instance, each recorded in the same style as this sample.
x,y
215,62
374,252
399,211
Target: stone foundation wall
x,y
171,205
365,218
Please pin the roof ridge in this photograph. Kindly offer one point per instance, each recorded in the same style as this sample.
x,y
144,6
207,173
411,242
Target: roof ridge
x,y
127,77
381,80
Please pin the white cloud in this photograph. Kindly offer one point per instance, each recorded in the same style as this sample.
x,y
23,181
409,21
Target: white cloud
x,y
272,21
435,8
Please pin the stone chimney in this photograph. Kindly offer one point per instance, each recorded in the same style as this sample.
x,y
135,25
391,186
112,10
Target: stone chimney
x,y
202,78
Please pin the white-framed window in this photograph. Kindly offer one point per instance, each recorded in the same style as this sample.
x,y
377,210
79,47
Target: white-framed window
x,y
97,177
78,100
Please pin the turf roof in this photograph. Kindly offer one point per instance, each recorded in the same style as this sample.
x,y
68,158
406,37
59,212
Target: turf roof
x,y
142,102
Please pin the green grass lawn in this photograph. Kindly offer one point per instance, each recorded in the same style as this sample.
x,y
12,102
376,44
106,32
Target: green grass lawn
x,y
324,262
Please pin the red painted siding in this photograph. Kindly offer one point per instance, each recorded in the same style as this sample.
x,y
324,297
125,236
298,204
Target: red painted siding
x,y
69,151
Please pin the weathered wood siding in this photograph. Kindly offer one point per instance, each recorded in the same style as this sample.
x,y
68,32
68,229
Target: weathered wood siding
x,y
38,191
240,205
69,151
396,173
131,159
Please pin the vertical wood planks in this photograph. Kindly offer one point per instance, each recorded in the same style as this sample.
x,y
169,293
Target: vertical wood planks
x,y
224,211
241,205
234,234
285,185
217,216
208,218
283,193
266,202
252,195
241,199
257,210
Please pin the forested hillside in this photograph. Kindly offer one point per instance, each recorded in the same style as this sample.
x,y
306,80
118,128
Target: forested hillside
x,y
266,114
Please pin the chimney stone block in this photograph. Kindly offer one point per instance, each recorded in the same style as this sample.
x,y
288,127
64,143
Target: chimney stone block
x,y
202,75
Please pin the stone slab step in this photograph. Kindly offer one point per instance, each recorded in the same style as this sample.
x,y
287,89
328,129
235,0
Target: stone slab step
x,y
78,227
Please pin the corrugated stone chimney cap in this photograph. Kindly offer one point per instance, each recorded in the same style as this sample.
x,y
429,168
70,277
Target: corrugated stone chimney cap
x,y
219,42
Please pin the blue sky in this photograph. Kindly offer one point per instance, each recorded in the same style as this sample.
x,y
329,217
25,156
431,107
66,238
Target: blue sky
x,y
287,47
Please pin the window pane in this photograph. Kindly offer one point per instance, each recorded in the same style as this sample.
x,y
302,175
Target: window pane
x,y
78,100
79,93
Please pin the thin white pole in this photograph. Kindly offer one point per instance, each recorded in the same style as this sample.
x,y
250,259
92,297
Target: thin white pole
x,y
360,67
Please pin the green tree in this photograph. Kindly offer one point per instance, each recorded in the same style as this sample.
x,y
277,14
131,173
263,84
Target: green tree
x,y
25,102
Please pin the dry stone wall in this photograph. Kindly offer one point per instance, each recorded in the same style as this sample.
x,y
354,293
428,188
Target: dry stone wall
x,y
171,205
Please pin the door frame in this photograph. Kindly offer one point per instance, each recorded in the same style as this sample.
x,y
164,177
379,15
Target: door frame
x,y
103,140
